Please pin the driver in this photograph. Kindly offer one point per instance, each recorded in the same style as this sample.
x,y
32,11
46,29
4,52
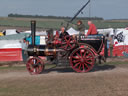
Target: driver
x,y
63,33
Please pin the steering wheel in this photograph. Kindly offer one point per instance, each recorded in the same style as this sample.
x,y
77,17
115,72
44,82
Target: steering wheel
x,y
68,43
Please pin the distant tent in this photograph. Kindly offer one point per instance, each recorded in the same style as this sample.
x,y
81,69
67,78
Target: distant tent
x,y
72,31
106,31
15,36
11,47
10,31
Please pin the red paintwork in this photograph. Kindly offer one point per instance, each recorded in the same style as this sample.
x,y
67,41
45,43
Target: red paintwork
x,y
35,68
92,30
11,54
117,50
68,43
82,46
82,60
56,42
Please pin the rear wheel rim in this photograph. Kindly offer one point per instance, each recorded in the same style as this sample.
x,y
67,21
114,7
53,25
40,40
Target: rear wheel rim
x,y
82,60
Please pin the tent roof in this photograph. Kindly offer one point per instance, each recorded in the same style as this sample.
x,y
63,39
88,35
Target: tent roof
x,y
72,31
15,36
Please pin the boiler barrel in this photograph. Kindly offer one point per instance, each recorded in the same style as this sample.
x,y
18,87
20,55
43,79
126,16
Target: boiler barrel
x,y
34,50
41,50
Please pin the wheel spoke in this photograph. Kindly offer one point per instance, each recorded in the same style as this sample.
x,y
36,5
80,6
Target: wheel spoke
x,y
30,68
69,39
37,62
87,59
75,57
66,39
78,55
63,46
70,45
79,67
63,43
34,65
67,42
88,55
90,63
66,46
37,70
76,65
83,67
84,54
31,61
40,68
75,61
84,59
81,53
86,66
34,70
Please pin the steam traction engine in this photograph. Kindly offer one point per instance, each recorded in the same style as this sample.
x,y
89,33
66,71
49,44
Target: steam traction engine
x,y
80,52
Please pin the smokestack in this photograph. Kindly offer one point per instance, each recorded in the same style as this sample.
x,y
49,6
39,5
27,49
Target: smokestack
x,y
33,31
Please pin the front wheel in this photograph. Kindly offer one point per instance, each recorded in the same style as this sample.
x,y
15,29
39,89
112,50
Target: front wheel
x,y
35,65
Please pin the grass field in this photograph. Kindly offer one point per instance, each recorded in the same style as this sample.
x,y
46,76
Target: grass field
x,y
25,22
57,23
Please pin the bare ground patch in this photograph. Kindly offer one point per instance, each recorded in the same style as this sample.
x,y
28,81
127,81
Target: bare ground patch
x,y
103,80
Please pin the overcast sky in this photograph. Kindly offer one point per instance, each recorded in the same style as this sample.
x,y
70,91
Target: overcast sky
x,y
108,9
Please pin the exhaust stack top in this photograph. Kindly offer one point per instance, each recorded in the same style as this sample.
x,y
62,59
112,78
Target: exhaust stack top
x,y
33,31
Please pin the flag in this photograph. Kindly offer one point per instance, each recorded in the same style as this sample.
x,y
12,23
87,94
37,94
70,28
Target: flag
x,y
120,37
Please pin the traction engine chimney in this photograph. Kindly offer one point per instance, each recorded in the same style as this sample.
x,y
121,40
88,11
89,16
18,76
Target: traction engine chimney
x,y
33,31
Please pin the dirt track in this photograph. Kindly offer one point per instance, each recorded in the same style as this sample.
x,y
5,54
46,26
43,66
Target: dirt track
x,y
106,80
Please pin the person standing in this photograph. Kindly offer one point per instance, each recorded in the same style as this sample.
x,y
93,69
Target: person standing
x,y
92,29
80,28
111,46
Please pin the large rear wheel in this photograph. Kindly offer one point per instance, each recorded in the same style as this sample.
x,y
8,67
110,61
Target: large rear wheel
x,y
82,60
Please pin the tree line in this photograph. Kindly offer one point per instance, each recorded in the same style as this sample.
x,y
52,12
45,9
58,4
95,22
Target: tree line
x,y
52,17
